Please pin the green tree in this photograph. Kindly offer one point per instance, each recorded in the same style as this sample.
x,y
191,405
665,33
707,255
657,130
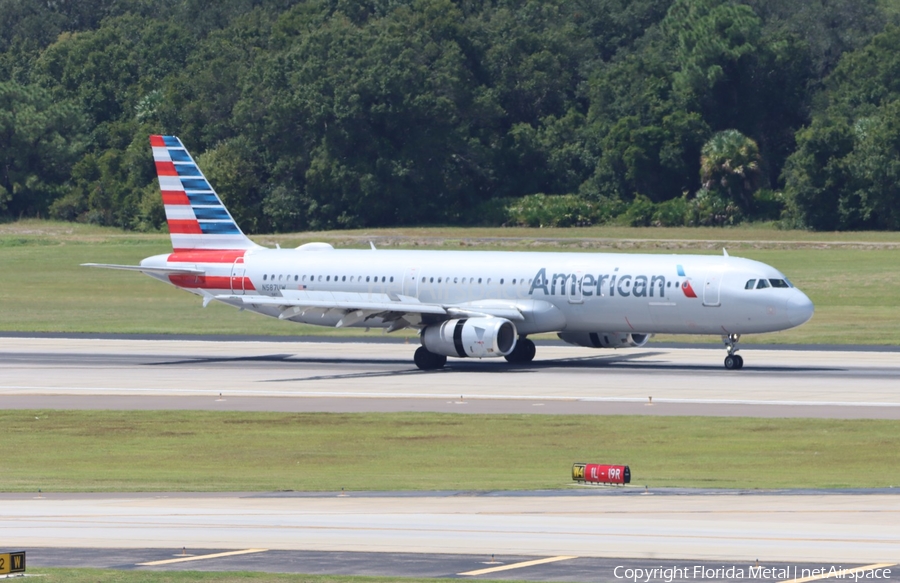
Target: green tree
x,y
844,171
729,165
39,140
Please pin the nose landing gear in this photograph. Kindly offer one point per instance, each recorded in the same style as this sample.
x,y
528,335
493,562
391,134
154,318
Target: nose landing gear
x,y
733,361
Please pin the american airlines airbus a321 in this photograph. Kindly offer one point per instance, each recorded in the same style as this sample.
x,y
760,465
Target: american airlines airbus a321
x,y
463,303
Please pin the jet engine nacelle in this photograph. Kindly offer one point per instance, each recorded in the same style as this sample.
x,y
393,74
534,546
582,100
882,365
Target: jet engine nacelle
x,y
604,339
471,337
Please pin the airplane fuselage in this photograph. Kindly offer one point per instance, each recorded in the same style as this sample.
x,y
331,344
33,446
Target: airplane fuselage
x,y
571,292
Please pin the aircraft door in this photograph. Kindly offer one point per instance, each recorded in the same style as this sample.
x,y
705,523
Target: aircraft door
x,y
712,287
574,289
237,276
411,282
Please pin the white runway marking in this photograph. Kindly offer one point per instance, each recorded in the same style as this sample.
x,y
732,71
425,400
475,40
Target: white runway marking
x,y
201,557
517,565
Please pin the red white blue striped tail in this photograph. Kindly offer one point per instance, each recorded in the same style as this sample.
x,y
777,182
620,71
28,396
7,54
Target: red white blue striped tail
x,y
195,213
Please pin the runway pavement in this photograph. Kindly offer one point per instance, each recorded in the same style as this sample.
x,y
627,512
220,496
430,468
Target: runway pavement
x,y
656,527
713,526
356,376
422,565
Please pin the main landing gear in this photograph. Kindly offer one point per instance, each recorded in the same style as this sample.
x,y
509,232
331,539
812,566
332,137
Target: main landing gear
x,y
427,360
523,352
733,361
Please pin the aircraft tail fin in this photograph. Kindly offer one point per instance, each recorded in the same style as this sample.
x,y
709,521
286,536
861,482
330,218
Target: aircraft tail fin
x,y
195,213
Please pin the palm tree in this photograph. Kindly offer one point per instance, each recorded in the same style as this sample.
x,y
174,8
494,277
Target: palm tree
x,y
729,165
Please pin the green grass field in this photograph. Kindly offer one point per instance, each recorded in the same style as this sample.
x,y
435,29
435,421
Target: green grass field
x,y
853,278
216,451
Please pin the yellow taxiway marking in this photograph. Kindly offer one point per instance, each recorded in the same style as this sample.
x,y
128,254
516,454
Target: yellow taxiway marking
x,y
202,557
516,566
840,574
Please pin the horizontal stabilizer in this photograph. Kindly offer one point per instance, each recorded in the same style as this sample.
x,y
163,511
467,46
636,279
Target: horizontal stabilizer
x,y
148,269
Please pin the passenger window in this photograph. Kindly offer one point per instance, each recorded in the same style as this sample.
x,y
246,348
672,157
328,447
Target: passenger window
x,y
431,280
439,280
454,279
344,278
514,282
778,283
479,280
750,284
762,284
392,279
327,278
382,279
264,277
296,278
367,277
501,281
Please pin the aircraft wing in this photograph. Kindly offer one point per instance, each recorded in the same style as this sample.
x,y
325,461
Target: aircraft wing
x,y
148,269
361,306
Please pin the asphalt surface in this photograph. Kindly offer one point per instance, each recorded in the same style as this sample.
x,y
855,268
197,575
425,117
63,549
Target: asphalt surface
x,y
380,377
410,535
504,567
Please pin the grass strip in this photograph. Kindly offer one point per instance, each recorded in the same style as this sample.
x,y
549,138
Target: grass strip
x,y
227,451
851,277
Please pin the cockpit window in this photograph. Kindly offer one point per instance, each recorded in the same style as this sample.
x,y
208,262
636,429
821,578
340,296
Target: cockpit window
x,y
750,284
779,283
762,284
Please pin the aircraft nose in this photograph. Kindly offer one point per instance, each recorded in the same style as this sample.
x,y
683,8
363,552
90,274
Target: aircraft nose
x,y
799,308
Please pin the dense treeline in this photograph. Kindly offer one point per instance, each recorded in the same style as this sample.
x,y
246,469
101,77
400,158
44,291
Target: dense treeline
x,y
354,113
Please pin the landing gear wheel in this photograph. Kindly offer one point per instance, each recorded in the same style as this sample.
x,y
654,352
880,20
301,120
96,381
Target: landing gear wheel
x,y
427,360
522,353
733,361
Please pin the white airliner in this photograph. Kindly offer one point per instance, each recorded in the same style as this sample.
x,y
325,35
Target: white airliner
x,y
472,304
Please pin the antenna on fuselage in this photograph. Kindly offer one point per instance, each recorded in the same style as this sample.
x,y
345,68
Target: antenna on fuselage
x,y
725,251
373,246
